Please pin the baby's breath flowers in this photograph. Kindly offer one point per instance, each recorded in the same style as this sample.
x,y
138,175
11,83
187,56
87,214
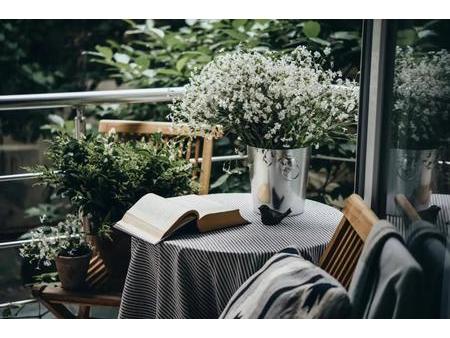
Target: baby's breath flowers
x,y
421,98
67,238
270,101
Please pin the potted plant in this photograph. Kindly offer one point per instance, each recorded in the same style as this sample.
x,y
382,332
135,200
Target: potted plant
x,y
279,106
103,177
419,124
66,245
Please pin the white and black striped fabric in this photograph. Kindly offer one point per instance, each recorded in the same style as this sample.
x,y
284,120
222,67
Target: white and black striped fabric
x,y
289,287
442,223
194,275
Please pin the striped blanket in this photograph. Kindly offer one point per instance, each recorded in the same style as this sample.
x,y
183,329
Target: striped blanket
x,y
289,286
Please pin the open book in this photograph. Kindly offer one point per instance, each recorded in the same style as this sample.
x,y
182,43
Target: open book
x,y
154,218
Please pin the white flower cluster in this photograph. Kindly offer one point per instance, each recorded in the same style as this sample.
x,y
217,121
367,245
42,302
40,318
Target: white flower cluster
x,y
270,101
47,242
421,98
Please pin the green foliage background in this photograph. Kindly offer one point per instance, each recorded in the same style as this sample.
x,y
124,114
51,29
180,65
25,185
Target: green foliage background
x,y
64,55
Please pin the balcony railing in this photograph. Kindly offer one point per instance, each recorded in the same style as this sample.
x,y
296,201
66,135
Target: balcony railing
x,y
78,100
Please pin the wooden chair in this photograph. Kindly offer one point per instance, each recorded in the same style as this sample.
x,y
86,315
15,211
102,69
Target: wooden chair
x,y
126,127
342,253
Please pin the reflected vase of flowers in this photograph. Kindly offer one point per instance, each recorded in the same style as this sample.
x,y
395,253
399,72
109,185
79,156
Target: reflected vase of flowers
x,y
419,124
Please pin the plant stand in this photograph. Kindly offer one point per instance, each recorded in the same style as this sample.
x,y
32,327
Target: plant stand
x,y
53,296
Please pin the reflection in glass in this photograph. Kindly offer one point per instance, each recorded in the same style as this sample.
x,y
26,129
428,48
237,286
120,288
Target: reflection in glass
x,y
420,125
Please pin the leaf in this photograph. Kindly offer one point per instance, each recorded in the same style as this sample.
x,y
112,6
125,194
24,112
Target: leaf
x,y
149,23
193,53
150,73
170,72
220,181
406,37
311,29
122,58
56,119
204,58
426,33
106,52
239,23
143,61
173,40
191,22
320,41
181,63
345,35
235,34
159,33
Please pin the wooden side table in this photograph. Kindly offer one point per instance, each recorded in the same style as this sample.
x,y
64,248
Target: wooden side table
x,y
54,297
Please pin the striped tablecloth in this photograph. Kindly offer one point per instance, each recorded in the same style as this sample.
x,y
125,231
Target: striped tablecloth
x,y
442,222
194,275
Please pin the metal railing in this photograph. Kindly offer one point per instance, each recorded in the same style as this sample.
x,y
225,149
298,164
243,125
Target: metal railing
x,y
78,100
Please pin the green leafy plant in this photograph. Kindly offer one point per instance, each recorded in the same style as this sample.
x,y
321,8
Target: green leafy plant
x,y
103,176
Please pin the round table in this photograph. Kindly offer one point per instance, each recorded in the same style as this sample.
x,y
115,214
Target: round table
x,y
193,275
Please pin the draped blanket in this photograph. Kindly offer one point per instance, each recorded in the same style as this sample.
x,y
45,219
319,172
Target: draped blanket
x,y
289,286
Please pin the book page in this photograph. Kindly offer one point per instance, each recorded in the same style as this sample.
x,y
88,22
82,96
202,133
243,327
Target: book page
x,y
202,204
139,230
212,215
154,215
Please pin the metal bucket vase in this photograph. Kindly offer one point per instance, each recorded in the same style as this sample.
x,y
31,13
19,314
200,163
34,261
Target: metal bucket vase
x,y
279,177
410,173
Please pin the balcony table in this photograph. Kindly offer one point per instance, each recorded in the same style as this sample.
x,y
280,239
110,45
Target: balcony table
x,y
193,275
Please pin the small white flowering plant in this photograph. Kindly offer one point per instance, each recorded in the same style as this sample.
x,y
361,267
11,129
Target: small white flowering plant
x,y
270,100
47,242
421,98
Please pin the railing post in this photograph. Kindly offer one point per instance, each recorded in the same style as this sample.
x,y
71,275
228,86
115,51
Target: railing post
x,y
80,122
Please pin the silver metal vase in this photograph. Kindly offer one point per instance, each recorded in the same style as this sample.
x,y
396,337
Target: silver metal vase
x,y
410,173
279,178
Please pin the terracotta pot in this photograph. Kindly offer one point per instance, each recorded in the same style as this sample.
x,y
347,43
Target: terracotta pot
x,y
72,271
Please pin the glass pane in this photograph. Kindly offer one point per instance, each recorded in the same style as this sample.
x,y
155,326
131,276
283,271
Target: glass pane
x,y
418,158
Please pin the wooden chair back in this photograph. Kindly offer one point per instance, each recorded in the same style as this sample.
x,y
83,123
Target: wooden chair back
x,y
192,147
342,253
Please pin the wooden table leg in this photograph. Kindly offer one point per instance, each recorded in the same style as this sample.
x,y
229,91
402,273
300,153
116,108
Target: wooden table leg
x,y
58,310
83,311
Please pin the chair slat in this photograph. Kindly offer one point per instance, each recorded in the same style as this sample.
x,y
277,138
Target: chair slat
x,y
342,253
346,262
188,149
338,252
345,249
347,277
